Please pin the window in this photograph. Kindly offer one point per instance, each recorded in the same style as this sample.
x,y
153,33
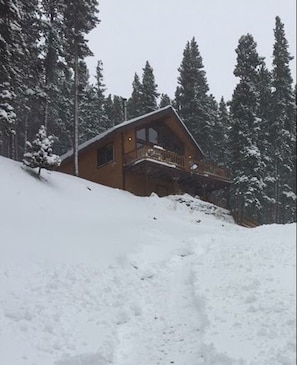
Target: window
x,y
159,134
169,141
140,134
105,154
152,135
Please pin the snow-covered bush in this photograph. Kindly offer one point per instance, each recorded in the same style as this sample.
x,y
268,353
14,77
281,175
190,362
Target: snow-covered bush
x,y
40,152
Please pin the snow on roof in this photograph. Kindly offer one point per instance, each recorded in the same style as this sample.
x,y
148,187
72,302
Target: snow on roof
x,y
130,122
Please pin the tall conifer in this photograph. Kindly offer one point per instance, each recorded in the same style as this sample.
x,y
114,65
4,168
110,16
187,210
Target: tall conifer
x,y
247,163
80,18
192,101
11,54
135,102
283,129
165,101
149,89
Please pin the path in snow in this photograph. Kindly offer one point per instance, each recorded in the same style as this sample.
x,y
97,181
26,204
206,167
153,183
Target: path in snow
x,y
168,326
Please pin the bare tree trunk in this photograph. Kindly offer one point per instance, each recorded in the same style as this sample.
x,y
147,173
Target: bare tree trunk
x,y
75,134
276,194
26,133
46,113
12,145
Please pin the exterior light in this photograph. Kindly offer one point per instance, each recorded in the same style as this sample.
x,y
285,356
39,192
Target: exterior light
x,y
130,139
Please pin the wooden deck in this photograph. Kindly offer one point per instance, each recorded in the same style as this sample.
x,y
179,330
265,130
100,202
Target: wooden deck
x,y
208,169
158,154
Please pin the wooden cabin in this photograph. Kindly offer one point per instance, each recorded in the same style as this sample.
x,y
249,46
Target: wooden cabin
x,y
151,153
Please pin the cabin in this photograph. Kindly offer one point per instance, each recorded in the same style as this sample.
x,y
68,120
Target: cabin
x,y
151,153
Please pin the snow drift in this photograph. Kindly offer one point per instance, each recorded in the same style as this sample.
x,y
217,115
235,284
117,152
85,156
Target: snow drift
x,y
92,275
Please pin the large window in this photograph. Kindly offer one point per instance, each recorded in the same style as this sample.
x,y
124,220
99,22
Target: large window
x,y
159,134
105,154
153,135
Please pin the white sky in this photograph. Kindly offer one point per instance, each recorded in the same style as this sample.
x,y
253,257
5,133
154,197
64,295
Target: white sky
x,y
133,31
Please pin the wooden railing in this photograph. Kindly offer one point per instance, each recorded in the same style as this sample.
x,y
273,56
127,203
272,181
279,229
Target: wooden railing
x,y
206,168
161,155
154,153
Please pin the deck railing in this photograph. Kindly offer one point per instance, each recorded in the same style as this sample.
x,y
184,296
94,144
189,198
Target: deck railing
x,y
159,154
154,153
207,168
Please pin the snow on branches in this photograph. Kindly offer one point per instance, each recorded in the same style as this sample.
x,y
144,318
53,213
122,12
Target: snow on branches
x,y
40,152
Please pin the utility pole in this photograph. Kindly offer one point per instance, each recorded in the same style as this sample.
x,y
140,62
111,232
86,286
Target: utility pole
x,y
75,127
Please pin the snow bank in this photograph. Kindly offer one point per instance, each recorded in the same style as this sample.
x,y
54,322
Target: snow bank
x,y
95,276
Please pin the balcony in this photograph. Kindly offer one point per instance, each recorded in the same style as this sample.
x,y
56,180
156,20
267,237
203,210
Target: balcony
x,y
208,169
172,159
154,153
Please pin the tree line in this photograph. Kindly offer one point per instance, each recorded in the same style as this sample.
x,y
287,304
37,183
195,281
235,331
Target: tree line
x,y
44,80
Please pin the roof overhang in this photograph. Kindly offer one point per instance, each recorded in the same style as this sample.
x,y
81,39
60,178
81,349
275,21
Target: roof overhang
x,y
165,112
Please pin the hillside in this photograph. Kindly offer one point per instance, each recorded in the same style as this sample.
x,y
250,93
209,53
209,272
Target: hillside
x,y
92,275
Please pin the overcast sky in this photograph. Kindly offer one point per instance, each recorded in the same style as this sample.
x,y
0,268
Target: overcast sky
x,y
133,31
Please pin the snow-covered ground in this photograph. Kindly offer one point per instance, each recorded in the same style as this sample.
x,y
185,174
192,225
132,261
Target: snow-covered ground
x,y
91,275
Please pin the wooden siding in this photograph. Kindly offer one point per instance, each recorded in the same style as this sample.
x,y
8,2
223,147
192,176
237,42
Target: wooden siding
x,y
150,168
110,174
145,184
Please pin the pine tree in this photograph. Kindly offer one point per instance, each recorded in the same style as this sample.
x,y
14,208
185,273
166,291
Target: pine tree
x,y
283,137
118,114
63,126
108,107
79,18
149,89
40,152
114,106
220,135
93,118
103,122
52,29
191,99
11,53
88,117
30,95
135,104
247,164
165,101
264,114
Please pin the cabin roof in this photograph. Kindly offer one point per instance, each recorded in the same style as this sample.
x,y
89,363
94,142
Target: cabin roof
x,y
162,112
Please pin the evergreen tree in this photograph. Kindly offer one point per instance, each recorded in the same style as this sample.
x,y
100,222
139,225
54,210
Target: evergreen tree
x,y
149,89
165,101
88,117
108,107
93,117
63,126
114,108
30,95
212,130
103,121
264,114
247,164
11,53
79,18
118,106
220,135
135,103
40,152
283,137
192,101
52,32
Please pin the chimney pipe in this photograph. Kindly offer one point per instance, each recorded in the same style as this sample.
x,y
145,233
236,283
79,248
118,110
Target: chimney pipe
x,y
125,108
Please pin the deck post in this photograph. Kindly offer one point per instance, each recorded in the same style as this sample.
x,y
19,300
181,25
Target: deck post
x,y
146,179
